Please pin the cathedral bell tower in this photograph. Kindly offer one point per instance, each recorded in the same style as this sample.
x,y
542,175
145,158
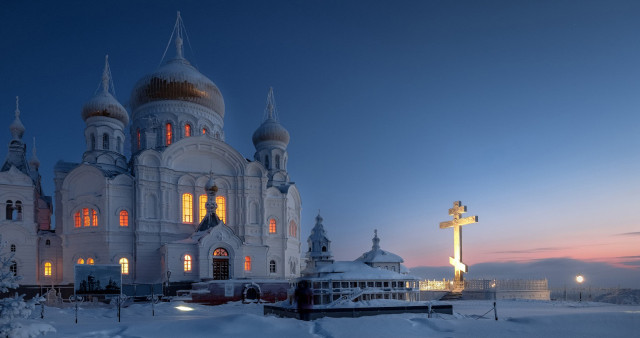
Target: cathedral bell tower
x,y
105,120
271,140
319,248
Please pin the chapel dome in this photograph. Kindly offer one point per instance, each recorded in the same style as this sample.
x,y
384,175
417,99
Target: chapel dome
x,y
177,80
270,130
104,104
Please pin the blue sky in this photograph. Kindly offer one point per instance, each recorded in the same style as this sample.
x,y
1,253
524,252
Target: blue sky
x,y
526,111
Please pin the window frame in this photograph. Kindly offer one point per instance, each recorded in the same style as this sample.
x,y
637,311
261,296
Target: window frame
x,y
187,208
187,263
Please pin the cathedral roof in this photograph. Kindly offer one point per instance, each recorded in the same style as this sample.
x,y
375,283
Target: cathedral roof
x,y
271,129
103,103
377,255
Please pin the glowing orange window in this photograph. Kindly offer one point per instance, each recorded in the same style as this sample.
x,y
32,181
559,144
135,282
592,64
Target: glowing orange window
x,y
221,210
124,218
85,217
202,202
138,138
220,252
90,261
77,220
187,130
80,261
187,263
124,266
187,208
168,133
247,263
272,226
47,269
204,131
94,217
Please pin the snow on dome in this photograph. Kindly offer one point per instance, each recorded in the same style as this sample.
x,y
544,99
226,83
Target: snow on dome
x,y
103,103
355,271
377,255
177,80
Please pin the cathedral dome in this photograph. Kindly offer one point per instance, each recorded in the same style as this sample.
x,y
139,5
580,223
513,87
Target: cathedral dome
x,y
104,104
270,130
177,80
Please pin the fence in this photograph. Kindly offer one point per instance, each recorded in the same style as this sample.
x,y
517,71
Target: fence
x,y
485,285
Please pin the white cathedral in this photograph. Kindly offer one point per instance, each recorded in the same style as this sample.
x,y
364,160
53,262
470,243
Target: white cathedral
x,y
184,202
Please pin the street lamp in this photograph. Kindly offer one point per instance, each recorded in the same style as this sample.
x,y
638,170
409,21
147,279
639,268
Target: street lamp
x,y
580,280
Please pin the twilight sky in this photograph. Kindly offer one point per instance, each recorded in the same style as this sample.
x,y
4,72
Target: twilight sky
x,y
527,111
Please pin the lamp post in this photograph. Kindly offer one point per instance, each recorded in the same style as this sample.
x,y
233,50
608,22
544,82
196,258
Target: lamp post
x,y
580,280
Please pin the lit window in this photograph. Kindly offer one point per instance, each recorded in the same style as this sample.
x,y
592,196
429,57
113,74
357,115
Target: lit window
x,y
221,210
80,261
77,220
187,263
220,252
85,217
293,229
187,130
272,266
247,263
105,141
168,134
13,248
90,261
124,266
272,226
204,131
94,218
187,208
124,218
202,202
138,138
47,269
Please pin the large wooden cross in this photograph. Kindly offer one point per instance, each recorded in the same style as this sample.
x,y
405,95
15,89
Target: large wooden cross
x,y
457,210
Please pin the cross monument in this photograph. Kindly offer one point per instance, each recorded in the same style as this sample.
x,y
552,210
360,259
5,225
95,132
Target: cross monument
x,y
457,210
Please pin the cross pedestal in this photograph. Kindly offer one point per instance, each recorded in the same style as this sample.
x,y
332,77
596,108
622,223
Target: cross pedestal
x,y
460,268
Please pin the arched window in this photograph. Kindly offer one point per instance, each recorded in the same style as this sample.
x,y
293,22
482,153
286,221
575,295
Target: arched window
x,y
94,218
293,229
204,131
13,248
221,210
187,208
47,242
138,138
168,134
272,226
77,220
277,161
324,248
90,261
93,142
47,269
220,252
272,266
14,268
187,263
202,203
80,261
17,210
105,141
9,210
187,130
124,266
85,217
124,218
266,161
118,144
247,263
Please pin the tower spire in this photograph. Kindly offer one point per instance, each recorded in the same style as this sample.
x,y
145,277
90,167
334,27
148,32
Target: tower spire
x,y
179,42
34,162
106,75
16,127
376,240
270,110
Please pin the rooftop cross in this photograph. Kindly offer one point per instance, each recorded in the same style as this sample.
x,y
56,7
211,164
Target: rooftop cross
x,y
457,210
270,110
106,75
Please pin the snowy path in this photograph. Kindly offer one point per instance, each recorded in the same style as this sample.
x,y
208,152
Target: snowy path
x,y
516,319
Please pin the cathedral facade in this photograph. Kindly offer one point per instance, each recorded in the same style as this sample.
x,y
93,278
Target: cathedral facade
x,y
184,206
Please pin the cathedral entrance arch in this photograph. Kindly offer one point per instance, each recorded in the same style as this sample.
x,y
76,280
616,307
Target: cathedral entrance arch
x,y
220,264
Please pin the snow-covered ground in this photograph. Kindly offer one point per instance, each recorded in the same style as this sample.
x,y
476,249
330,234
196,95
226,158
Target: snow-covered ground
x,y
516,319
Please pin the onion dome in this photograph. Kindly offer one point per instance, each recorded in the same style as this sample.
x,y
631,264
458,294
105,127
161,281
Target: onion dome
x,y
178,80
16,127
103,103
211,185
271,129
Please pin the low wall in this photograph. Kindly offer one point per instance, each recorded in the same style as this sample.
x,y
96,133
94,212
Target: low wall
x,y
223,291
506,294
353,312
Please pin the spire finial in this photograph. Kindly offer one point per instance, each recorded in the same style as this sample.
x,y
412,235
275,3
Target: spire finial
x,y
376,240
34,159
270,110
178,29
17,107
106,75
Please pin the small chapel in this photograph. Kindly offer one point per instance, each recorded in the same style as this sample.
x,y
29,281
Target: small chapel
x,y
183,204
